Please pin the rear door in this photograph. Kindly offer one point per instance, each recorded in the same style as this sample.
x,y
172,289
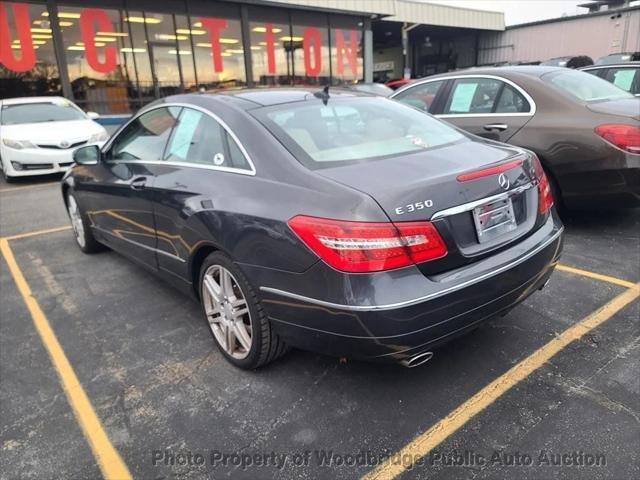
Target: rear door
x,y
487,106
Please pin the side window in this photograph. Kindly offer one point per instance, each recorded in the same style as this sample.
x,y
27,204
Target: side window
x,y
623,78
200,139
420,96
511,101
472,95
145,137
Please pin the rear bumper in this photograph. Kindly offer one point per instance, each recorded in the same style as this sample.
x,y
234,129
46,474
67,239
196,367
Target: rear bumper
x,y
449,305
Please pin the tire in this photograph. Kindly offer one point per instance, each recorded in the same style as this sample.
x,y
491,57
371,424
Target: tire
x,y
81,227
236,310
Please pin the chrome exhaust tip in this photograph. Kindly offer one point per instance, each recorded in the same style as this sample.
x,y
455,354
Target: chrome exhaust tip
x,y
417,360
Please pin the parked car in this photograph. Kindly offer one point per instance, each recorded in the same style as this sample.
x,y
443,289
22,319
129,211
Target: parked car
x,y
398,82
336,221
38,135
379,89
584,130
569,62
623,75
618,58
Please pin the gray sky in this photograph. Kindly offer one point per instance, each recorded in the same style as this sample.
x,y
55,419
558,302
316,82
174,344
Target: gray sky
x,y
521,11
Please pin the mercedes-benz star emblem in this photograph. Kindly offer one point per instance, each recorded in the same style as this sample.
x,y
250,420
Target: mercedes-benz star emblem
x,y
503,180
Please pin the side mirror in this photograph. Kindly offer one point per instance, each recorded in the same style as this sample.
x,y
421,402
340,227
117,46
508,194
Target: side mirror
x,y
93,115
89,155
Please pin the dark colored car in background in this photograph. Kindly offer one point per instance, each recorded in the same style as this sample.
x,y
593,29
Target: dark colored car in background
x,y
576,61
336,222
619,58
584,130
623,75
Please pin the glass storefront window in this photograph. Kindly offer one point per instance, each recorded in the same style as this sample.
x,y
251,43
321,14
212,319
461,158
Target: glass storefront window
x,y
346,50
272,64
186,59
27,59
101,78
217,45
309,44
137,50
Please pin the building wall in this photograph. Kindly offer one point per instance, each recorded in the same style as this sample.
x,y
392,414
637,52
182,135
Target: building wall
x,y
595,36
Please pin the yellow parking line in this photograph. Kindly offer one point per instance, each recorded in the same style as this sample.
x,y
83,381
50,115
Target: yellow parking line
x,y
37,232
438,433
28,187
596,276
107,457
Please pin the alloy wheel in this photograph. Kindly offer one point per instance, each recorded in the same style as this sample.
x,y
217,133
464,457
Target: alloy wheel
x,y
227,311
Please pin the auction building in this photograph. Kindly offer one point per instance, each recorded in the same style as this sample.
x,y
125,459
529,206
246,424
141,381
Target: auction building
x,y
113,56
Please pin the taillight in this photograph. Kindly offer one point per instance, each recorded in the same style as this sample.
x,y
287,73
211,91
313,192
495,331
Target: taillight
x,y
485,172
625,137
545,197
369,247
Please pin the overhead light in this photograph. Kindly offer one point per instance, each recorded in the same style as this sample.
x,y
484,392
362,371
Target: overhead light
x,y
65,24
143,20
16,47
264,44
167,36
186,31
255,47
198,24
41,30
235,50
225,54
291,39
228,41
63,14
104,39
39,42
264,30
112,34
41,35
76,47
133,50
203,45
180,52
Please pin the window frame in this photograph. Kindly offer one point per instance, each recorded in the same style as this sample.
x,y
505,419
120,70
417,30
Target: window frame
x,y
242,171
447,91
442,91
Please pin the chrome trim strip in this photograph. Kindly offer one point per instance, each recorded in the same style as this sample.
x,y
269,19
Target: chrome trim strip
x,y
224,125
465,207
431,296
476,115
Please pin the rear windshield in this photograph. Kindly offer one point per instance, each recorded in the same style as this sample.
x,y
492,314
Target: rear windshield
x,y
354,130
585,87
54,111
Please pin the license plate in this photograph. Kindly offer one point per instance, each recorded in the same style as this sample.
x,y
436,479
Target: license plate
x,y
494,219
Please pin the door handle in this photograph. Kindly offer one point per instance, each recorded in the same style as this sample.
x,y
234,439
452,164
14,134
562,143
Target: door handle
x,y
138,183
501,127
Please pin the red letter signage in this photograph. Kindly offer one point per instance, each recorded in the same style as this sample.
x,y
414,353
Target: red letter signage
x,y
271,54
351,51
214,25
23,27
89,17
312,39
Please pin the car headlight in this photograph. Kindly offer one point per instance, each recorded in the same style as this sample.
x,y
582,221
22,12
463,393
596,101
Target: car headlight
x,y
18,144
99,137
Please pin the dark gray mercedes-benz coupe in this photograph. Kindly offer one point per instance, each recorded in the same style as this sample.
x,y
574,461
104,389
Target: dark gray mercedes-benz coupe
x,y
328,220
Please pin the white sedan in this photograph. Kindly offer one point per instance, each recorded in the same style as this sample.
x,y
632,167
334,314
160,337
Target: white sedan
x,y
39,134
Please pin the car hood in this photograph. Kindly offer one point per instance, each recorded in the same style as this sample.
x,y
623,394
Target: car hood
x,y
52,133
429,178
624,107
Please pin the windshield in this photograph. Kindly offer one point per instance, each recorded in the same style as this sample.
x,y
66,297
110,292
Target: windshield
x,y
584,86
354,129
57,111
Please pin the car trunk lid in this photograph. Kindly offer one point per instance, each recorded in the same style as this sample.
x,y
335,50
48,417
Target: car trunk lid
x,y
624,107
426,186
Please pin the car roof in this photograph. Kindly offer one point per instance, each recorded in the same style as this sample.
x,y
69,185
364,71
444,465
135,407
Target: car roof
x,y
20,100
528,70
279,95
612,65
